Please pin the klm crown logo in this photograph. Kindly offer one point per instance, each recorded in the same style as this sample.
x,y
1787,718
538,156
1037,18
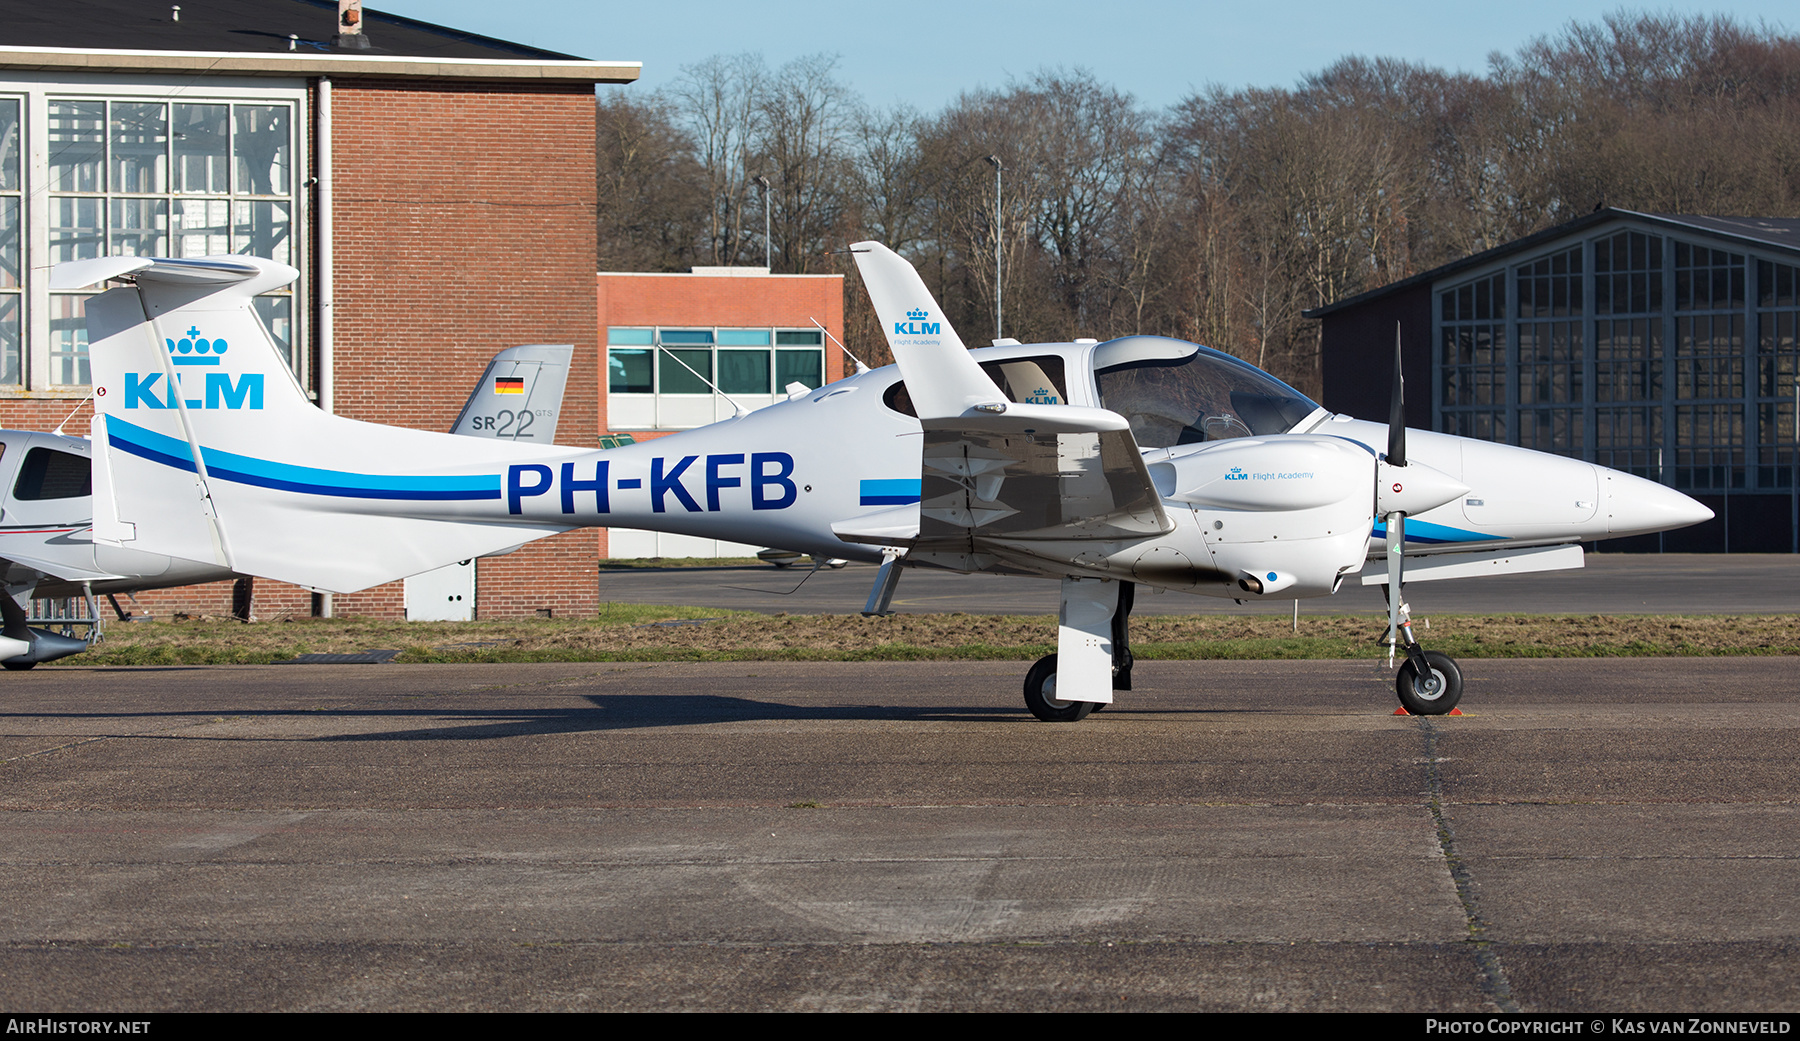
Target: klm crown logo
x,y
194,349
916,325
1237,474
218,391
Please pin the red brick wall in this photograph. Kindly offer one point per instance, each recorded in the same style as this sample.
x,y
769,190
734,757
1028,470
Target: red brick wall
x,y
46,414
465,223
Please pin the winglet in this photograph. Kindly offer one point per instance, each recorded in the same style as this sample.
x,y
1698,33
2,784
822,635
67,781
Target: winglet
x,y
941,377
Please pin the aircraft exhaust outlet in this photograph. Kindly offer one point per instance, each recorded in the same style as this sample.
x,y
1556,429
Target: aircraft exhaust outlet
x,y
1265,582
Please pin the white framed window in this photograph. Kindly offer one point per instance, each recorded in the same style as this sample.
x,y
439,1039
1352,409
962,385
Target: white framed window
x,y
101,166
664,377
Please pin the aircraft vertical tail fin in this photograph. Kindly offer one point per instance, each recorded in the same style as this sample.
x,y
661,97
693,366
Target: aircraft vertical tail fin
x,y
519,397
208,448
942,378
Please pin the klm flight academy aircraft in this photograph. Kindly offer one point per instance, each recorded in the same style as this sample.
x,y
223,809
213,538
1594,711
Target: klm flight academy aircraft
x,y
46,547
1142,460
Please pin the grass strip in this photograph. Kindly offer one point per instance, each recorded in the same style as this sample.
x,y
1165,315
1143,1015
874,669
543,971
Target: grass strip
x,y
634,632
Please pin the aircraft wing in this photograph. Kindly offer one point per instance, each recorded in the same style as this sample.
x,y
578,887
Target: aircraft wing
x,y
997,475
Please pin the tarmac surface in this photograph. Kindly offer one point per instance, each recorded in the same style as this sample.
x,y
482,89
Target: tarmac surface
x,y
1609,583
1609,835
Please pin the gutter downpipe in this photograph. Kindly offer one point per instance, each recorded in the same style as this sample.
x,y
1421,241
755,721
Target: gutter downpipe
x,y
327,298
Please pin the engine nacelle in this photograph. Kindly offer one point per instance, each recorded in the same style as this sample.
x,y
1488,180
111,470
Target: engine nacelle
x,y
1280,472
1281,516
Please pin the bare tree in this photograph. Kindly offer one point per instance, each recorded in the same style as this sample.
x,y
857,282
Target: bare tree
x,y
719,101
803,136
651,195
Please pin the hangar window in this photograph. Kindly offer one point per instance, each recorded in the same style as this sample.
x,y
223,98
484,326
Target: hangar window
x,y
665,377
1472,358
1777,361
1550,368
1709,367
159,172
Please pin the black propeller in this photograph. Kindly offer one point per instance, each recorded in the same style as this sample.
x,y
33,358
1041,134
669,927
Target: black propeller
x,y
1396,453
1395,522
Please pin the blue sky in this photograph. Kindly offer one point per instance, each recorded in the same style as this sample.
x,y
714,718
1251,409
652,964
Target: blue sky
x,y
926,52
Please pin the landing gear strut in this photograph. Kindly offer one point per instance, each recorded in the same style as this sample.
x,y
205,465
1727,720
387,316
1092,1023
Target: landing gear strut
x,y
1093,652
1429,682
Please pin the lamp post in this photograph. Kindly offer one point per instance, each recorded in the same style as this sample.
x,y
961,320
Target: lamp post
x,y
998,167
768,240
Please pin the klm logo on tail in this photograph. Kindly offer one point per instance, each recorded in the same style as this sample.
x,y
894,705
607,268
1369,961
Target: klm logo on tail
x,y
219,391
916,325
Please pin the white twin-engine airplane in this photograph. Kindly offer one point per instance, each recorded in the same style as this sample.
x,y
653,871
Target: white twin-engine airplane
x,y
1142,460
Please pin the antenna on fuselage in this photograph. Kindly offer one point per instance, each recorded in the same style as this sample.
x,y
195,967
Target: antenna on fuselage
x,y
59,427
739,410
860,367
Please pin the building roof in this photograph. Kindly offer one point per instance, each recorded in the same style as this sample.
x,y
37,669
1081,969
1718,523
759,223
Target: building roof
x,y
281,37
1780,233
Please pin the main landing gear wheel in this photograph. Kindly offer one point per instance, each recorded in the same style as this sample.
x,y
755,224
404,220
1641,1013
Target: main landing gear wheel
x,y
1434,694
1040,695
1121,667
18,666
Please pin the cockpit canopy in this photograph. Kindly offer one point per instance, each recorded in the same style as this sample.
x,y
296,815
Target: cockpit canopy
x,y
1179,393
1173,392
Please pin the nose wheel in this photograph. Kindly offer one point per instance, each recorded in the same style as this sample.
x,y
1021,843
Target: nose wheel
x,y
1429,684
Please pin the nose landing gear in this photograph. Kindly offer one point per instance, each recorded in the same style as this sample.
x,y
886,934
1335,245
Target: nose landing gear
x,y
1429,683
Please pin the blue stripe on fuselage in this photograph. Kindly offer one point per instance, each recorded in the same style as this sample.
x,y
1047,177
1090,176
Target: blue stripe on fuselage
x,y
890,492
1425,531
264,473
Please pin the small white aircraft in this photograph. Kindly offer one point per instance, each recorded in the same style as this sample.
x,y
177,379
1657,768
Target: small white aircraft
x,y
1142,460
46,544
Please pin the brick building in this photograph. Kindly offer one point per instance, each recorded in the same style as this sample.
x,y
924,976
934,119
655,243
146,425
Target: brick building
x,y
681,348
434,188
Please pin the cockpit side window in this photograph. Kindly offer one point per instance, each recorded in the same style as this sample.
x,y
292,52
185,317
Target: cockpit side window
x,y
49,474
1205,396
1035,381
899,400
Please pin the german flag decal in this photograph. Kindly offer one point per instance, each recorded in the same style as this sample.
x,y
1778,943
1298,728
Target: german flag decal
x,y
509,384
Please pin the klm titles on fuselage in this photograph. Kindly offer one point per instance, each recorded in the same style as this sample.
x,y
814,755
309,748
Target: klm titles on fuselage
x,y
768,477
220,390
916,325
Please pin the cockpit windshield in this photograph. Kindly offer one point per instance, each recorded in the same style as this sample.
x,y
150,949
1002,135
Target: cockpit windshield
x,y
1178,393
